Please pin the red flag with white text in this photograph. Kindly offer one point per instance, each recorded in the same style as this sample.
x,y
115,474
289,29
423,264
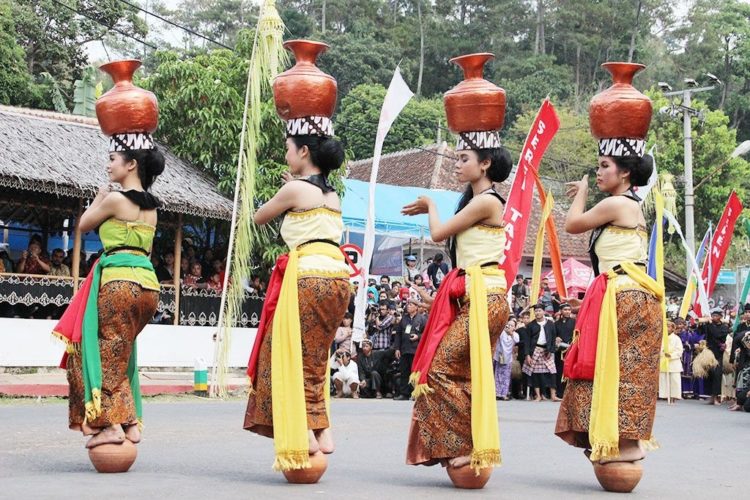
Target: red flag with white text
x,y
518,207
719,246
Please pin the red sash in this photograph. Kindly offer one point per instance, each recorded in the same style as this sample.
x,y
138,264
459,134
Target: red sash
x,y
444,310
70,326
266,315
580,359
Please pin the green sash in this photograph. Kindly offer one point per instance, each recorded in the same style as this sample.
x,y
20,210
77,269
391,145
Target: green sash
x,y
90,355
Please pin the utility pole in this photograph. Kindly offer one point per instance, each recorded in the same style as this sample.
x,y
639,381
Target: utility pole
x,y
687,114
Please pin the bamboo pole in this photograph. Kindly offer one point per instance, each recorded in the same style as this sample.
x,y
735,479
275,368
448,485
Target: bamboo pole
x,y
76,262
176,269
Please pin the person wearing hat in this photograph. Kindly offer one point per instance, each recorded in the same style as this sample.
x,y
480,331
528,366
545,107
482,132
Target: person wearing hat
x,y
454,421
539,364
411,271
715,332
371,370
613,365
122,292
294,338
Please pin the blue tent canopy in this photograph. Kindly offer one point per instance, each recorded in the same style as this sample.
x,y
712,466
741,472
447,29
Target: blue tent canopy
x,y
388,202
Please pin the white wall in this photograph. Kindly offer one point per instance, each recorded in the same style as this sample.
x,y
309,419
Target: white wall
x,y
28,342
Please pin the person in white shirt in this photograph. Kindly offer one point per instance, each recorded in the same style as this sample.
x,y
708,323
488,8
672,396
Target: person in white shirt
x,y
346,378
670,384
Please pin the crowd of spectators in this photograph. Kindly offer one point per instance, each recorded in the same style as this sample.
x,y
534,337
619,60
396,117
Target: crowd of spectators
x,y
198,270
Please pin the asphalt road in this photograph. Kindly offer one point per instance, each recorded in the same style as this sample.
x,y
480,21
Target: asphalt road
x,y
196,448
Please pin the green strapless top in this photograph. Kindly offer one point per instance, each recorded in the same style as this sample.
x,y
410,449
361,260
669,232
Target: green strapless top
x,y
116,233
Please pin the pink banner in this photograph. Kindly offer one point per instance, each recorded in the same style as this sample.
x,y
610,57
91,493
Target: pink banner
x,y
518,208
719,246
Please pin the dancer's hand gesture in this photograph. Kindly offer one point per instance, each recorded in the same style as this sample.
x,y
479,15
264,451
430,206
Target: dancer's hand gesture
x,y
420,206
286,176
572,188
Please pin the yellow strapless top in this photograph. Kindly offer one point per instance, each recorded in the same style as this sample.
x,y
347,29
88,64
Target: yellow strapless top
x,y
116,233
619,244
320,223
480,244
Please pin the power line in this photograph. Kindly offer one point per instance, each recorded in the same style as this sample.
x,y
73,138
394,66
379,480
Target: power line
x,y
99,21
157,16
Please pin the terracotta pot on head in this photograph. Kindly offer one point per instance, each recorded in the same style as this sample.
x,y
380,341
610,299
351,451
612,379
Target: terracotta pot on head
x,y
618,477
110,458
474,104
311,475
304,90
466,478
126,108
620,115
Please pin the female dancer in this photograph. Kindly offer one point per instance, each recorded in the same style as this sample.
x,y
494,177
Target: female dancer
x,y
288,365
119,297
454,421
613,367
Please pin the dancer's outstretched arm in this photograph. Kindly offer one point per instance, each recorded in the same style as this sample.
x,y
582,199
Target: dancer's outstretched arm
x,y
480,208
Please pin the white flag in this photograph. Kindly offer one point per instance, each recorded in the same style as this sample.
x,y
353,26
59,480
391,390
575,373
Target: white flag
x,y
643,191
395,99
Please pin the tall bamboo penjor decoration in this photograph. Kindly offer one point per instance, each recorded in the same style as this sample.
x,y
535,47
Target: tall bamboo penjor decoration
x,y
267,57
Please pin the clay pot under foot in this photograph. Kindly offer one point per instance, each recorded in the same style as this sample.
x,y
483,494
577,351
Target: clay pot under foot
x,y
318,466
113,457
466,478
619,477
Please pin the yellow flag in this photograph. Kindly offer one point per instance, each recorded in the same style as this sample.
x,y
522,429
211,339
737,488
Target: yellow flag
x,y
536,270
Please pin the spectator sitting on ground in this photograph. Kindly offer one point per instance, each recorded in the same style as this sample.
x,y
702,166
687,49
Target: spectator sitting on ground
x,y
57,268
32,261
371,371
346,378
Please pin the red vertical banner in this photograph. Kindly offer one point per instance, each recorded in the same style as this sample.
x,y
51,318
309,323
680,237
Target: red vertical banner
x,y
520,198
719,246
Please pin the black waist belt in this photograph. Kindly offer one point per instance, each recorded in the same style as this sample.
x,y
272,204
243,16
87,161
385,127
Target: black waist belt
x,y
128,248
318,241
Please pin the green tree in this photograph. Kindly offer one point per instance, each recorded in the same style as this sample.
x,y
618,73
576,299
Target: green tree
x,y
53,36
357,122
15,79
713,142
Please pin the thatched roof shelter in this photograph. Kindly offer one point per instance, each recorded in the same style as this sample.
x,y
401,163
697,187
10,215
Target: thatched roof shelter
x,y
50,161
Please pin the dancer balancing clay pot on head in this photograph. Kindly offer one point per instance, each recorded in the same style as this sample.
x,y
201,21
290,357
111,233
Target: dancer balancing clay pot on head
x,y
288,370
619,330
454,421
121,294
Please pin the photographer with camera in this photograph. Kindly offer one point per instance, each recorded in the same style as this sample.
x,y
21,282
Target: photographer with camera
x,y
380,325
408,333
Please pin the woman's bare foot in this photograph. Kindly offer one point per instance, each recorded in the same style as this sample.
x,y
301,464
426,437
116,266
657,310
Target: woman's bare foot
x,y
109,435
630,451
325,441
312,442
132,433
459,461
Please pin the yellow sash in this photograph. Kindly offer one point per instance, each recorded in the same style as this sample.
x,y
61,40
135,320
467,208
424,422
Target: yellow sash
x,y
287,381
484,428
604,434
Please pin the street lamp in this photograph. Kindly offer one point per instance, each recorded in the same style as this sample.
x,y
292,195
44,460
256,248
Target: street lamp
x,y
687,113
